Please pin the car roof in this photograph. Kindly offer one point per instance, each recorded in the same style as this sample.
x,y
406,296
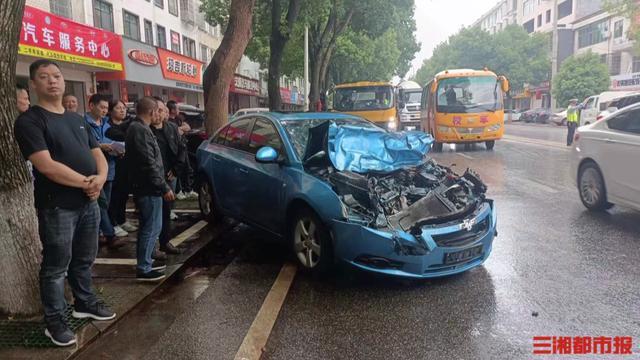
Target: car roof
x,y
301,116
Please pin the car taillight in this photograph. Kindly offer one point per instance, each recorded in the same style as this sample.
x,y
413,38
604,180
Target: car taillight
x,y
599,117
576,137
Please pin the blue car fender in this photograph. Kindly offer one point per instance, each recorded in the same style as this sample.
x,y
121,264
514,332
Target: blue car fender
x,y
316,194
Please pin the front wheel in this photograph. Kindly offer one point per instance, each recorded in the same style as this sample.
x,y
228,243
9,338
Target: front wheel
x,y
592,190
490,144
311,242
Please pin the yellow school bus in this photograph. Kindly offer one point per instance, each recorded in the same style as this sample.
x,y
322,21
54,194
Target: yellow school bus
x,y
374,101
464,106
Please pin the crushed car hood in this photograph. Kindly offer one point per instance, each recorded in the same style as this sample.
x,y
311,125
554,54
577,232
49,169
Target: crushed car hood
x,y
363,149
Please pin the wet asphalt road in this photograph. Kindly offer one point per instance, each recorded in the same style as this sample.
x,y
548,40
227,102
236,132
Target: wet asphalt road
x,y
556,269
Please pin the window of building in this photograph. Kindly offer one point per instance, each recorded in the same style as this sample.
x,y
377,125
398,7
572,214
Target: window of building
x,y
527,7
204,53
547,16
615,64
161,35
131,25
539,20
188,47
593,33
148,32
187,11
565,9
61,7
636,64
159,3
173,7
102,15
175,41
618,27
528,26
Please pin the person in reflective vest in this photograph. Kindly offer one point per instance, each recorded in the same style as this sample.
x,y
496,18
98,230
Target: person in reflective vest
x,y
572,119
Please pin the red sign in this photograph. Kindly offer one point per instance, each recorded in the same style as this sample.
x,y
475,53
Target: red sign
x,y
245,85
143,58
582,345
45,35
124,92
180,68
285,94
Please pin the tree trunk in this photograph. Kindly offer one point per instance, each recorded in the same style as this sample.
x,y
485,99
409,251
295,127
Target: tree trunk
x,y
19,240
220,72
277,42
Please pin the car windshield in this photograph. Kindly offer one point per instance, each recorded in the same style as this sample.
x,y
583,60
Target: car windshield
x,y
468,94
412,97
298,130
363,98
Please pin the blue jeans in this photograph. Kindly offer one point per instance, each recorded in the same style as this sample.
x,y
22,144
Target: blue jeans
x,y
69,244
105,221
150,219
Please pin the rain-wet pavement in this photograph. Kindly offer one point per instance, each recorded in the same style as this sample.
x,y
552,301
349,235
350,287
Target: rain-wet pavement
x,y
555,270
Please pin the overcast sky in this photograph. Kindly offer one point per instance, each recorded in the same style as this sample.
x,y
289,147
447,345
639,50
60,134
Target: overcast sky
x,y
437,19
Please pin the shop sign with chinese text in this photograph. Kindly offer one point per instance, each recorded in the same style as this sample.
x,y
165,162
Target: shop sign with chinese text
x,y
48,36
180,68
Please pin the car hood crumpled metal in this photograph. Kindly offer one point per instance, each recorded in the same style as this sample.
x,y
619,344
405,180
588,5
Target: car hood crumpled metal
x,y
362,150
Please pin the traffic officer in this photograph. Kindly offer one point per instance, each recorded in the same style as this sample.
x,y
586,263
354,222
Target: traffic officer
x,y
572,119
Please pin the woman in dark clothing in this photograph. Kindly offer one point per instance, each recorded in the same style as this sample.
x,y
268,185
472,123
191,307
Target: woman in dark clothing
x,y
120,193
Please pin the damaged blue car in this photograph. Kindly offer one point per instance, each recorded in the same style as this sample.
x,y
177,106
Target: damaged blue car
x,y
338,188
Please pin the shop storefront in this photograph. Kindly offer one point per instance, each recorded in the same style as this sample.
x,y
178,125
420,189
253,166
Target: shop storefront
x,y
151,71
625,82
244,92
80,50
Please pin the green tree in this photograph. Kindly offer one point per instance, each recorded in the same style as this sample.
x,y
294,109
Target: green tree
x,y
631,10
580,76
523,58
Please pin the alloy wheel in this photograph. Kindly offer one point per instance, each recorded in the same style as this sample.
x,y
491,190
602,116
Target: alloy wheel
x,y
590,186
306,243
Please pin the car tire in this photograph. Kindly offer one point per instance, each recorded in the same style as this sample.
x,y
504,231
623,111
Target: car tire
x,y
206,202
310,243
490,144
591,187
437,147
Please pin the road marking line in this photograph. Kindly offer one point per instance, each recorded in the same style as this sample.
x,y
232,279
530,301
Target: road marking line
x,y
179,239
188,233
465,156
108,261
256,339
545,143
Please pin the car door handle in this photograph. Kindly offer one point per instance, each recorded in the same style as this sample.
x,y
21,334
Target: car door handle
x,y
244,171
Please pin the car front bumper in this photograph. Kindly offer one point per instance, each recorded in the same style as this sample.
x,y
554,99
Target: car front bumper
x,y
401,254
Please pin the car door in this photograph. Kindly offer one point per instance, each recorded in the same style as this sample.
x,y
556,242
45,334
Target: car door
x,y
231,165
621,160
589,111
266,193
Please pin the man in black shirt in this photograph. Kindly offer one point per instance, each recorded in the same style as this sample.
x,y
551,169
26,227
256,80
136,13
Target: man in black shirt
x,y
148,184
69,172
173,160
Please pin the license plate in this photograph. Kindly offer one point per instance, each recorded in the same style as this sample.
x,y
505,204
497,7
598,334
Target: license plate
x,y
462,255
409,128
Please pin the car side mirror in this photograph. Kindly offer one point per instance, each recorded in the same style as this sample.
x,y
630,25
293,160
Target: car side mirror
x,y
267,154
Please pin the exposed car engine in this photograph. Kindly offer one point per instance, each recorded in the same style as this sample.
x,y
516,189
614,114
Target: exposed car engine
x,y
408,199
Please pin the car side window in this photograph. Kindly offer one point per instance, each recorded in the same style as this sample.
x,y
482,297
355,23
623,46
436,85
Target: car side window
x,y
627,122
237,135
589,103
264,134
221,136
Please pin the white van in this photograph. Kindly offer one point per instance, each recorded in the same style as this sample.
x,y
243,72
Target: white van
x,y
593,105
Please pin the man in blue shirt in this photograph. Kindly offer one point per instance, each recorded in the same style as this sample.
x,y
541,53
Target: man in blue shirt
x,y
98,124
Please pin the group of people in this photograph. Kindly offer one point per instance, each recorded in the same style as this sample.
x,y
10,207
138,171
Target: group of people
x,y
84,169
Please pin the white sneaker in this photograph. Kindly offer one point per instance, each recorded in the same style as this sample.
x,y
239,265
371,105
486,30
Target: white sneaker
x,y
127,226
119,232
181,196
173,215
192,195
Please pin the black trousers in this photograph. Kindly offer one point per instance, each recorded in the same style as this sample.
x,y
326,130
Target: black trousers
x,y
571,126
165,234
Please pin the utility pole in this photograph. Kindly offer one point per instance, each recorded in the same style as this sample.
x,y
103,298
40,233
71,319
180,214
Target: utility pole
x,y
306,68
554,52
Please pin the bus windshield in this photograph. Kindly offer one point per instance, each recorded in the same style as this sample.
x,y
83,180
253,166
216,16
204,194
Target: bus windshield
x,y
363,98
468,95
